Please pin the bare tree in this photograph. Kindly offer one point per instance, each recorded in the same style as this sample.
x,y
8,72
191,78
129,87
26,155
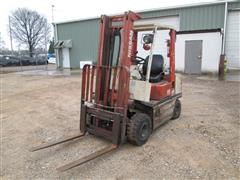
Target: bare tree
x,y
30,28
2,43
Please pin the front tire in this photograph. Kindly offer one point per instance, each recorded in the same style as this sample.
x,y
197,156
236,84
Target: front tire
x,y
139,129
177,109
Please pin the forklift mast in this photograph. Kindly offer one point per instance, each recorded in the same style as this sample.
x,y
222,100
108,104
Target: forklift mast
x,y
113,64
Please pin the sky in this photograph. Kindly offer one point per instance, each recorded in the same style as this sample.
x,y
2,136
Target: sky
x,y
65,10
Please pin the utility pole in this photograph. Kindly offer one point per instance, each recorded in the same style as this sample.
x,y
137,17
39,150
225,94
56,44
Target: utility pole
x,y
46,51
52,13
10,33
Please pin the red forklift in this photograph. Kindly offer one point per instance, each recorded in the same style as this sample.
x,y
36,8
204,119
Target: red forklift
x,y
125,97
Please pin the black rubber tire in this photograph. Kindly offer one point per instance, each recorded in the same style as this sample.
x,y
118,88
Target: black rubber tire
x,y
177,109
139,129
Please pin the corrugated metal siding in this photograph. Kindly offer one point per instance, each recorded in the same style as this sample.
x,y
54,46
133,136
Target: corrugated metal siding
x,y
234,5
194,18
84,35
202,17
232,48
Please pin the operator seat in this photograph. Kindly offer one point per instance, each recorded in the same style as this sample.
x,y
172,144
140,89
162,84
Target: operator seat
x,y
157,73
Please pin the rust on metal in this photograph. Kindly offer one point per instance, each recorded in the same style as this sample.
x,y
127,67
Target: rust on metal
x,y
113,86
92,80
88,81
83,82
46,145
106,91
87,158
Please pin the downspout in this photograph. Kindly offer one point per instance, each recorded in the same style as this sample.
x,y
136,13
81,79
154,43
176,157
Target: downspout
x,y
224,28
221,70
56,40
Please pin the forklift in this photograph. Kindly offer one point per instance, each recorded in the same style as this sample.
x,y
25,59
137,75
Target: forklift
x,y
125,97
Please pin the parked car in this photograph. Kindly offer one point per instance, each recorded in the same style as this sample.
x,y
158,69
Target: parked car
x,y
11,60
52,60
51,55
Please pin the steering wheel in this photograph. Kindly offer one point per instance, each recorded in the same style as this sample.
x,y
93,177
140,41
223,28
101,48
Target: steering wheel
x,y
139,60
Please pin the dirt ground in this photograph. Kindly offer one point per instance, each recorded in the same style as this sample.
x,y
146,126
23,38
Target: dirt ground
x,y
203,143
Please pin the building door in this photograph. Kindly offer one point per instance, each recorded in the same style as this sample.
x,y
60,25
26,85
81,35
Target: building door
x,y
65,58
233,40
193,56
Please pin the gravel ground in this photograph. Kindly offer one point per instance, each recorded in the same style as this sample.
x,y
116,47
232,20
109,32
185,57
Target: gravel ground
x,y
202,144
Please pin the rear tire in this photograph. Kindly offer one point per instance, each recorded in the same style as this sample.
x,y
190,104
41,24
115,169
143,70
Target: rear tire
x,y
139,129
177,109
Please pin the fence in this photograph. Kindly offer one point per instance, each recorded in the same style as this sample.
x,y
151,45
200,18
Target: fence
x,y
23,62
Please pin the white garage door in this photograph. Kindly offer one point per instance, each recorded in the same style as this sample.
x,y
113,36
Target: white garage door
x,y
161,47
233,40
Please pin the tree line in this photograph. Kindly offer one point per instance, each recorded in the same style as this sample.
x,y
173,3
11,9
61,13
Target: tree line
x,y
29,28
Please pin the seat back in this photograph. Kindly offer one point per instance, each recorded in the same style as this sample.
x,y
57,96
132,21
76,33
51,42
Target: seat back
x,y
156,74
157,65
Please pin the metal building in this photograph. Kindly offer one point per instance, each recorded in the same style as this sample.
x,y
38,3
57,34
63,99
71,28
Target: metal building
x,y
205,31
